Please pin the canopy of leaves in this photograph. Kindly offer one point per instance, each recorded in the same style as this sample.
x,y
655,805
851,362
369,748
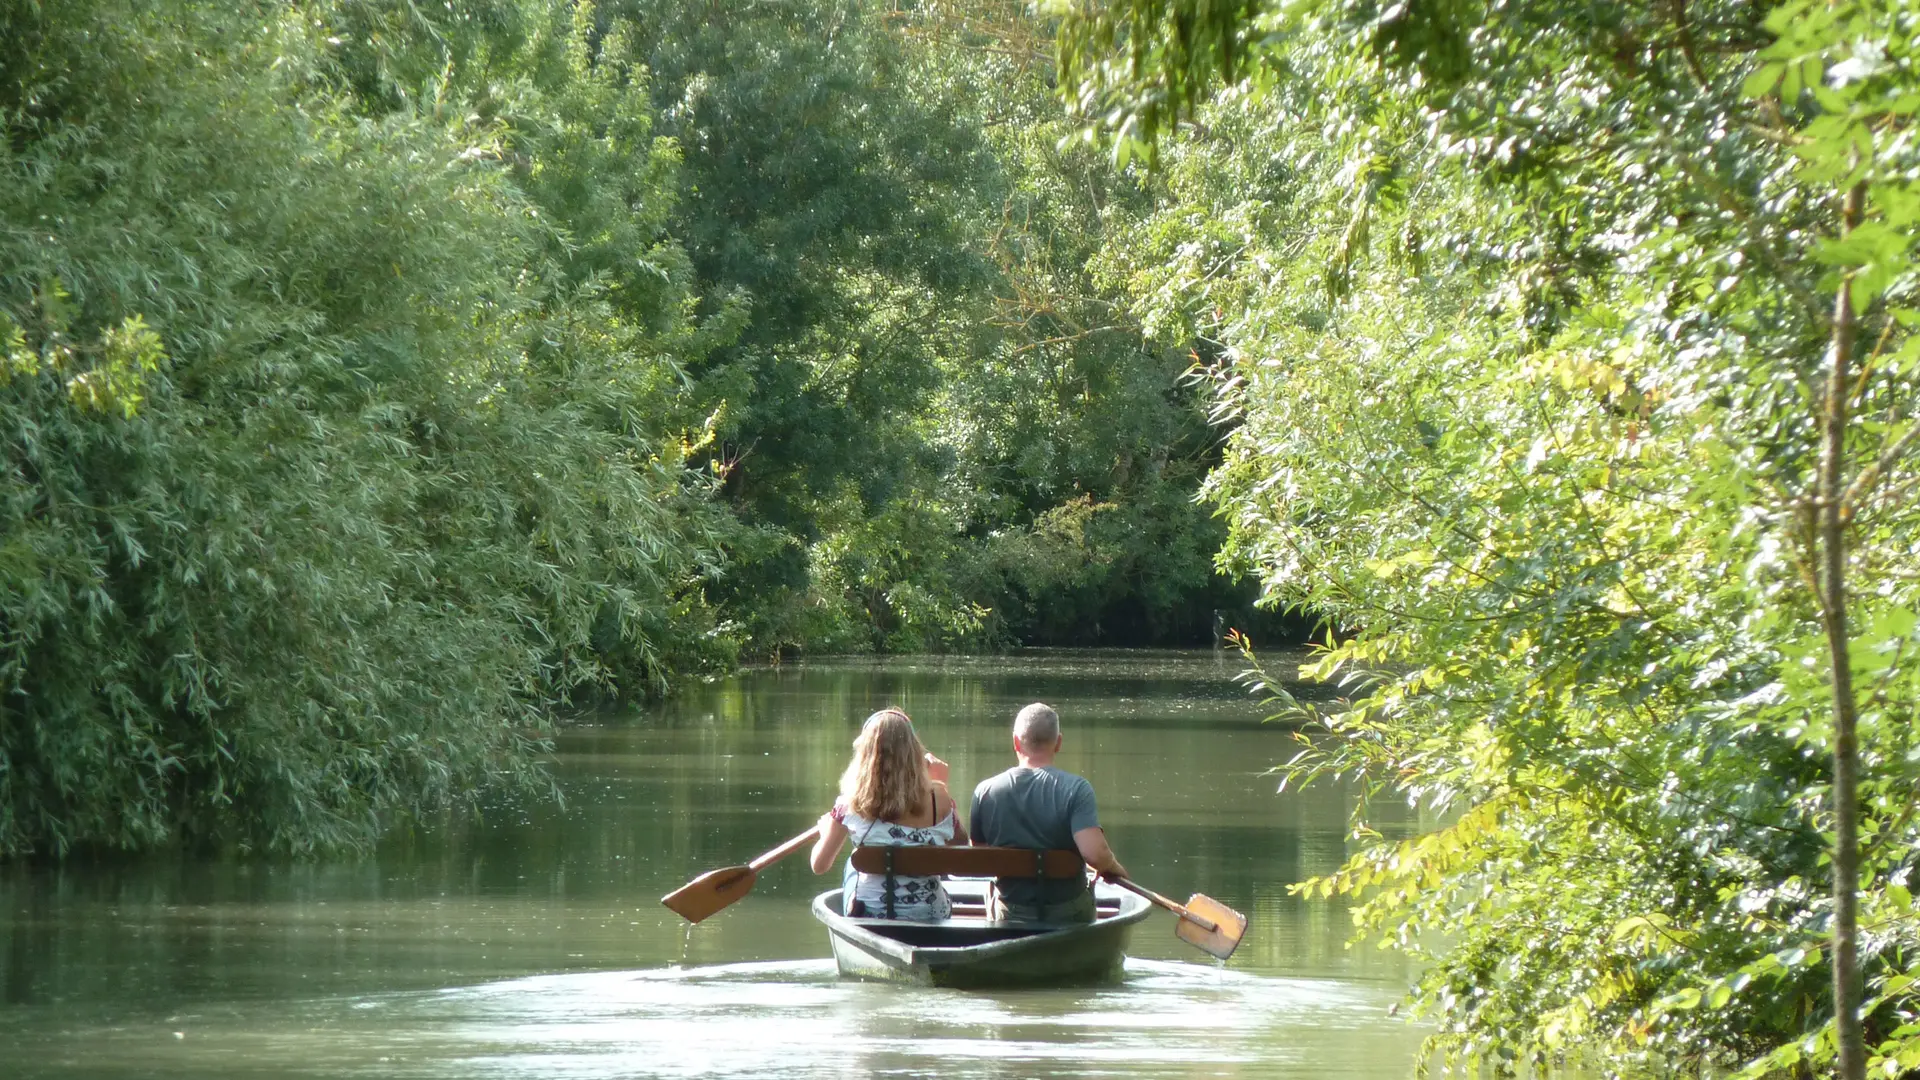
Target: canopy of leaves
x,y
376,378
328,460
1523,311
939,429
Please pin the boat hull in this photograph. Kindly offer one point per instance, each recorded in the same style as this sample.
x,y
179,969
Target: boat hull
x,y
979,953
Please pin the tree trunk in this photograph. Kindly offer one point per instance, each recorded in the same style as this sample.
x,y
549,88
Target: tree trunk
x,y
1832,527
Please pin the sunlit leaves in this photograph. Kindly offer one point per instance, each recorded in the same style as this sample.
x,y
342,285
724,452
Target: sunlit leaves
x,y
1551,481
324,473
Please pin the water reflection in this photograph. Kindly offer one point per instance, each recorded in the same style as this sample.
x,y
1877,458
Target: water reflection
x,y
529,941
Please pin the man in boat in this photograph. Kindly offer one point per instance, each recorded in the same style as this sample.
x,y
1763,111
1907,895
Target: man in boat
x,y
1036,806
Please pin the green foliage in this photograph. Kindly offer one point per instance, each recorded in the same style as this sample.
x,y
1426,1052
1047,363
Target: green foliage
x,y
1524,330
925,367
1077,446
376,378
331,456
1143,67
560,95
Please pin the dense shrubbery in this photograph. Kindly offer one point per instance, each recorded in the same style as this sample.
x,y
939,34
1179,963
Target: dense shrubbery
x,y
378,377
931,388
328,464
1569,346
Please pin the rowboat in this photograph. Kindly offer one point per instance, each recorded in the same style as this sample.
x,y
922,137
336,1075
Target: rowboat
x,y
970,950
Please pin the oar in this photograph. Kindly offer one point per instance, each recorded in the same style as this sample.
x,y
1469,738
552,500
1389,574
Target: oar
x,y
1205,923
715,889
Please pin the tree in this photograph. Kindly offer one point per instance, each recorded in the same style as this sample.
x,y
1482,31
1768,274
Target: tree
x,y
1546,323
940,428
325,457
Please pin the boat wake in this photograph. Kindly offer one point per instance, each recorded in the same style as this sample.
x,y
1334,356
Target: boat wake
x,y
785,1019
797,1019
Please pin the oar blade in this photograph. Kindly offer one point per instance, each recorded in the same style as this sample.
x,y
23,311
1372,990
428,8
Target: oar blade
x,y
1221,942
710,892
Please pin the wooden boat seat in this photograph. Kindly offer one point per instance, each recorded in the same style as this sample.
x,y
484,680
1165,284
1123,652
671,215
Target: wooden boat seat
x,y
968,862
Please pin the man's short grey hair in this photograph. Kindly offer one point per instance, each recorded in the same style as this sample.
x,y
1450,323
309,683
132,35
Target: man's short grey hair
x,y
1037,727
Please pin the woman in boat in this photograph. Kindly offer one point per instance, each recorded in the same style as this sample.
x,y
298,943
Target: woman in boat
x,y
893,793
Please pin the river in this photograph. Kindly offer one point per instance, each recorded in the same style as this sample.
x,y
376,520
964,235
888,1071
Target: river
x,y
529,941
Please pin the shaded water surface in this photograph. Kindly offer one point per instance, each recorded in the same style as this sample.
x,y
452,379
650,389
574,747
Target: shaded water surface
x,y
530,942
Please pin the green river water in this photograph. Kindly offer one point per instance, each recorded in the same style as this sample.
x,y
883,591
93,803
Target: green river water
x,y
530,942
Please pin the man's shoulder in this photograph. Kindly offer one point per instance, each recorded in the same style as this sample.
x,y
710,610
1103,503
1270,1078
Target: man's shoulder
x,y
997,782
1054,782
1069,780
1047,779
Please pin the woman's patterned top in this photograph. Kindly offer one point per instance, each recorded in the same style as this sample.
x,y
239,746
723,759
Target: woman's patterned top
x,y
921,899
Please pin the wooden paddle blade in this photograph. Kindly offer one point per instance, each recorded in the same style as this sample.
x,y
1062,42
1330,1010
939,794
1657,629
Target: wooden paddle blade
x,y
710,892
1221,942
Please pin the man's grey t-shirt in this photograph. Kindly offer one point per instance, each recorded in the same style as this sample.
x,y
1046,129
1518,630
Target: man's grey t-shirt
x,y
1035,809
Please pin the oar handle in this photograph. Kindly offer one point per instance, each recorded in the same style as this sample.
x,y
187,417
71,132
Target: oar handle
x,y
784,850
1202,922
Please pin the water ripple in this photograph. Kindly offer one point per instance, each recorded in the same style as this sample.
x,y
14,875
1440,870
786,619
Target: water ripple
x,y
796,1019
783,1019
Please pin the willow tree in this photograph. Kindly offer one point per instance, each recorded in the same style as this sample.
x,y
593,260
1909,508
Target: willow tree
x,y
322,465
1570,350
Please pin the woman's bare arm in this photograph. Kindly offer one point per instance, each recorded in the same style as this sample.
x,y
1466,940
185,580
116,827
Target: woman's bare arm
x,y
943,805
826,847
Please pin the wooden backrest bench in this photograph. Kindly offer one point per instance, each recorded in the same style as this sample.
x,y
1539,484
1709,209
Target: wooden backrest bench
x,y
995,862
968,862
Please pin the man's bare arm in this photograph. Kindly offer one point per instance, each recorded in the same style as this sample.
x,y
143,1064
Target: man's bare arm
x,y
1093,848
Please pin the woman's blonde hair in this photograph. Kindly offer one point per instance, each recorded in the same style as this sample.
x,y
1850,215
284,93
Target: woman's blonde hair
x,y
887,778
